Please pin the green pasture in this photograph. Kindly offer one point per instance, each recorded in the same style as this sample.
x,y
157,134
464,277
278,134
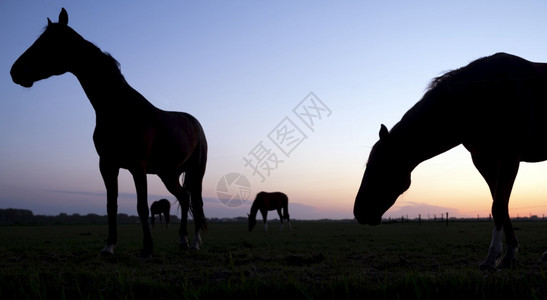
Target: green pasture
x,y
316,260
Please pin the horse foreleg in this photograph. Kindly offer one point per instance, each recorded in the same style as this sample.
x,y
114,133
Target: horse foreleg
x,y
139,176
110,178
265,218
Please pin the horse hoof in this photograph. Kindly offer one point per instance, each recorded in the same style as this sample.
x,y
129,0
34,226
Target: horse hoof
x,y
184,246
485,266
508,263
194,248
107,251
146,254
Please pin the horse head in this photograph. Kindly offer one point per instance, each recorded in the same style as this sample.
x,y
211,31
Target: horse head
x,y
386,177
49,55
252,222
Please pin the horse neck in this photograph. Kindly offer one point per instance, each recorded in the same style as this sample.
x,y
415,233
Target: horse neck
x,y
428,129
103,82
254,208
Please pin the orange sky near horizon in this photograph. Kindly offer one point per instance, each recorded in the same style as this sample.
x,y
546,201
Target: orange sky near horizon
x,y
241,68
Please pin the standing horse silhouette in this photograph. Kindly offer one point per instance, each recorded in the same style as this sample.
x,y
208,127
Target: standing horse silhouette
x,y
269,201
160,207
495,107
130,132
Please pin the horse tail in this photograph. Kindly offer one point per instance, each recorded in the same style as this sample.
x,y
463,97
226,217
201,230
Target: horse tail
x,y
196,211
286,207
196,203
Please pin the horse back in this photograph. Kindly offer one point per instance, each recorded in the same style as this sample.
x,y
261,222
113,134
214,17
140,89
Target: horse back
x,y
273,200
502,100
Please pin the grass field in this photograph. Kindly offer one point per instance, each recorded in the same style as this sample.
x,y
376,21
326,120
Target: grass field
x,y
316,260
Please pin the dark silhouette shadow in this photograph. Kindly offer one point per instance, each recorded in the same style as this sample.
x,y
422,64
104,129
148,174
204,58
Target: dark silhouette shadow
x,y
495,107
160,207
130,132
269,201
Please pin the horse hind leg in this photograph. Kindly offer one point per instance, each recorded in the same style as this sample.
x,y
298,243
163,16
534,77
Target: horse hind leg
x,y
280,219
172,184
193,184
288,221
139,176
494,251
500,176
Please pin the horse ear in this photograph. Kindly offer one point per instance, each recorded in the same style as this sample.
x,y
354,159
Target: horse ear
x,y
49,22
384,133
63,17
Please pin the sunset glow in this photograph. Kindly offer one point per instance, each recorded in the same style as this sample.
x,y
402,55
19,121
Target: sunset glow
x,y
245,70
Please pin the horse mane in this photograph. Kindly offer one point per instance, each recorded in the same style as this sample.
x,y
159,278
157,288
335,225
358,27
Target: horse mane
x,y
436,87
257,203
104,58
452,75
495,66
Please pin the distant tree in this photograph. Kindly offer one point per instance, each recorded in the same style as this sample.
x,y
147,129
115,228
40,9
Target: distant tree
x,y
13,215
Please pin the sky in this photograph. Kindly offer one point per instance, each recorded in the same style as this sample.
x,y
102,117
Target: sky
x,y
248,70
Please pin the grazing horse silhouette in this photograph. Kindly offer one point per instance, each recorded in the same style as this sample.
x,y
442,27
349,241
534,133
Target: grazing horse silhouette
x,y
495,107
130,132
269,201
160,207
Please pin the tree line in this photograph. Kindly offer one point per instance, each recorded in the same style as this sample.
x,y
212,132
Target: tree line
x,y
24,216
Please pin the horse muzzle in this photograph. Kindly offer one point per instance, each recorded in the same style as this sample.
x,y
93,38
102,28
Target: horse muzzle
x,y
20,76
368,220
366,217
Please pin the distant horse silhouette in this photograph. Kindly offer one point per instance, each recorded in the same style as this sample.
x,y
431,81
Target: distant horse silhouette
x,y
162,206
496,107
269,201
130,132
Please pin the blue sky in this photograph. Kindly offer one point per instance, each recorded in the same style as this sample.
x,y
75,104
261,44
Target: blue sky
x,y
241,67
